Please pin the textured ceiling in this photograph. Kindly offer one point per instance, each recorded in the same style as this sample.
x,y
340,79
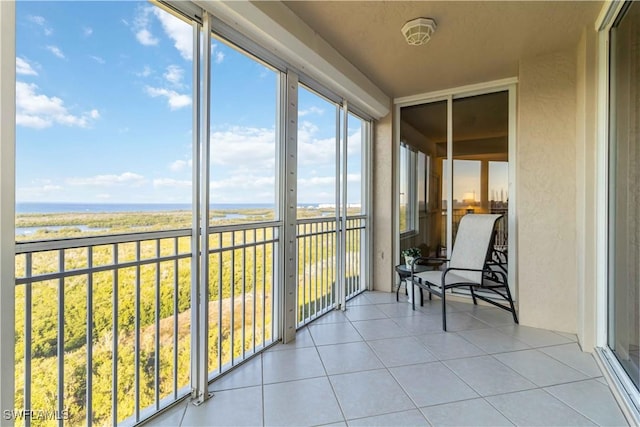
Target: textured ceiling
x,y
475,41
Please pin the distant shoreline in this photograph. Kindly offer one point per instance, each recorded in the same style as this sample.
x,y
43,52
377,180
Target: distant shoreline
x,y
51,208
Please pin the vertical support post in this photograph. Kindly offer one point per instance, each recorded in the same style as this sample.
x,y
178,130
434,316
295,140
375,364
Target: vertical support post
x,y
342,224
7,203
338,235
200,289
449,175
290,199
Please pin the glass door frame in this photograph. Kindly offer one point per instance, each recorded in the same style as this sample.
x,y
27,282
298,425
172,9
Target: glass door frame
x,y
449,95
625,392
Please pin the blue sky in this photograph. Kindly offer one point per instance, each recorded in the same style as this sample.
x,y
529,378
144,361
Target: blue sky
x,y
104,113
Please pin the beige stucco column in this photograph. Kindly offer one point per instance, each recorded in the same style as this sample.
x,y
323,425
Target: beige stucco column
x,y
382,204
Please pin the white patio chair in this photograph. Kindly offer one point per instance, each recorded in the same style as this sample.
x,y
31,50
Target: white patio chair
x,y
470,266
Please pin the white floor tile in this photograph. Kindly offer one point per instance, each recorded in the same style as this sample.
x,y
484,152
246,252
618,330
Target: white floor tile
x,y
533,336
300,403
539,368
448,345
227,408
398,310
247,375
401,351
537,408
379,329
335,316
487,376
369,393
431,384
471,413
494,317
592,399
572,355
461,321
420,325
364,312
349,357
171,418
381,297
303,339
290,365
492,341
334,333
397,419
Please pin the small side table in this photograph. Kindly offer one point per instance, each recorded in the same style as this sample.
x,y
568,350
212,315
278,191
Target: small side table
x,y
405,273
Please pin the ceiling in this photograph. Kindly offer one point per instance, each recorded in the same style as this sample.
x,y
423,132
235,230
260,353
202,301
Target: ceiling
x,y
476,41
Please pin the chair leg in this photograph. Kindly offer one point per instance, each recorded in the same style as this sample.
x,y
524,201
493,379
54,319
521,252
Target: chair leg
x,y
444,310
398,290
421,298
473,295
513,308
413,296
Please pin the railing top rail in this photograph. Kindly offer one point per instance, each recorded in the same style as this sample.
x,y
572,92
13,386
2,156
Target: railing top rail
x,y
82,242
327,219
241,227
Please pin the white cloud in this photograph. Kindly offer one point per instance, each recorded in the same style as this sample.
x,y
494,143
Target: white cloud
x,y
141,27
87,31
145,37
23,67
98,59
310,110
174,75
40,111
42,22
171,183
175,99
180,165
218,57
124,179
40,189
56,51
253,148
146,72
180,32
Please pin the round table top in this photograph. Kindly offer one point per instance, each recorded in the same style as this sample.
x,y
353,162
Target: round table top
x,y
418,268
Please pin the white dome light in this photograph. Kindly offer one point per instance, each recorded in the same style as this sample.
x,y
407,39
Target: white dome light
x,y
418,31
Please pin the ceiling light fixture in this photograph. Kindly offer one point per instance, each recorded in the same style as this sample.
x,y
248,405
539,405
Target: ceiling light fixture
x,y
418,31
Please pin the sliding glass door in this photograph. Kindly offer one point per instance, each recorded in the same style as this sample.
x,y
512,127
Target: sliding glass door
x,y
454,161
624,193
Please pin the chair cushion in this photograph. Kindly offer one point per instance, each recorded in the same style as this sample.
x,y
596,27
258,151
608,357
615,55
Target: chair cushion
x,y
435,278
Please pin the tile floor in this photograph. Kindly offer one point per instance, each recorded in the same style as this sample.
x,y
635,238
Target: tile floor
x,y
381,364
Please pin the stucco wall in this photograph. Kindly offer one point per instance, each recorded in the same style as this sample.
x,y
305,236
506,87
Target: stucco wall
x,y
383,204
546,189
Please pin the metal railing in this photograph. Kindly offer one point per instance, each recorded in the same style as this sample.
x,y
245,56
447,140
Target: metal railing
x,y
242,277
317,264
103,323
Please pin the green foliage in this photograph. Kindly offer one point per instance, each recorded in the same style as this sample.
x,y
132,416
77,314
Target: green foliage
x,y
239,280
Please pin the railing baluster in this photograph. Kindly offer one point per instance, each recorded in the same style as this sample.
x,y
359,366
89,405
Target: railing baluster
x,y
220,267
90,337
305,311
315,263
60,342
244,289
156,380
176,294
264,287
114,386
255,286
136,350
233,294
273,283
27,337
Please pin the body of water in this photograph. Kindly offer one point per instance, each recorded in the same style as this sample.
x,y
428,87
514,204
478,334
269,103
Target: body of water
x,y
35,207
